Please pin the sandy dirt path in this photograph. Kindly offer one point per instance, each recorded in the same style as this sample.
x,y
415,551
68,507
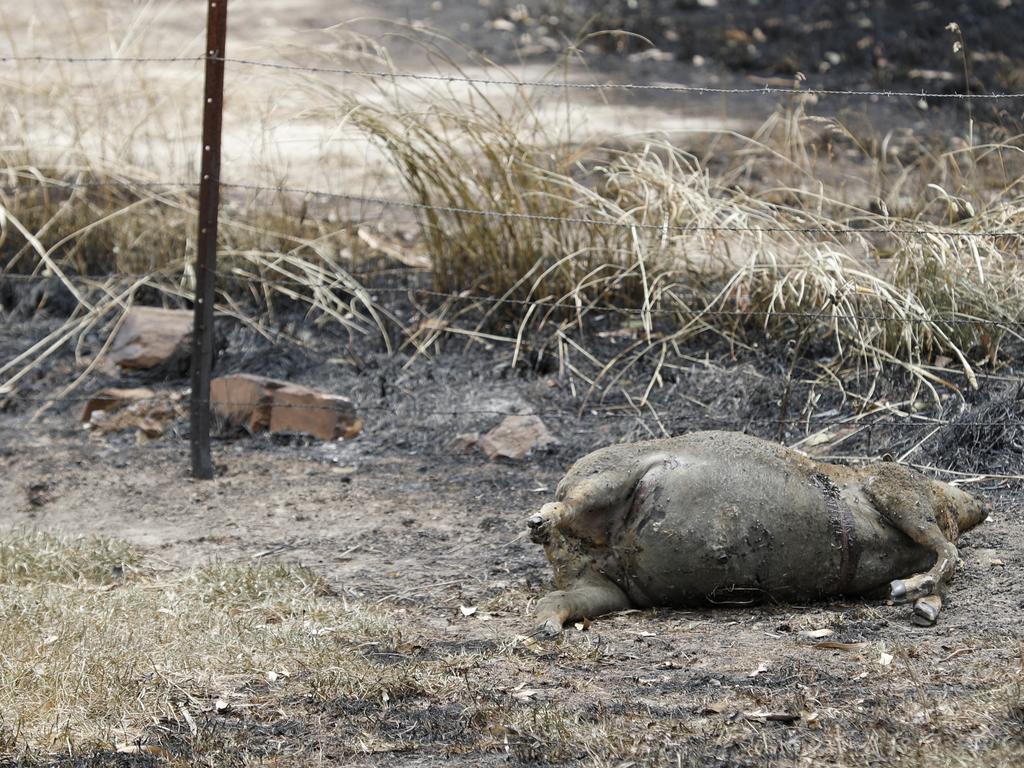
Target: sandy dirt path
x,y
282,127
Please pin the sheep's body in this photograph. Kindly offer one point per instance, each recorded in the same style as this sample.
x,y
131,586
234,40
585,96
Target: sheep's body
x,y
724,518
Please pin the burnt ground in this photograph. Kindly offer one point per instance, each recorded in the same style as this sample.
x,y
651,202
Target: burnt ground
x,y
864,44
401,516
857,44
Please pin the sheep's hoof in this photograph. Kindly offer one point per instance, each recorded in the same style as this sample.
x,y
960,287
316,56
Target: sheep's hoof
x,y
926,610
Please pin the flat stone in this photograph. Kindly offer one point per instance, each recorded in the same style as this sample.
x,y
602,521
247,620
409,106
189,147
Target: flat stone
x,y
151,337
516,438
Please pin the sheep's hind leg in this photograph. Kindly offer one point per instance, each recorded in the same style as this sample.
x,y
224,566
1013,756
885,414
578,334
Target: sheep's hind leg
x,y
895,498
924,588
589,599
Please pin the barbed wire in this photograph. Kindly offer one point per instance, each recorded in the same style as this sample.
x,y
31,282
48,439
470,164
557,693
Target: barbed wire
x,y
868,420
62,184
551,218
907,422
543,304
765,90
836,231
45,59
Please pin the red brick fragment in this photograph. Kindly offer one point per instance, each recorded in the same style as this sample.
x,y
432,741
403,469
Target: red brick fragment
x,y
262,404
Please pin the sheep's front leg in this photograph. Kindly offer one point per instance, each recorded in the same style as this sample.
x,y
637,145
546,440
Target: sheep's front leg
x,y
592,597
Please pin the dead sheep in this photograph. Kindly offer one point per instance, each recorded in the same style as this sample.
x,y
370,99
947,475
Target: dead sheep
x,y
722,518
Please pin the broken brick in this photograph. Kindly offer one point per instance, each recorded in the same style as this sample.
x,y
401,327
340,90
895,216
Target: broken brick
x,y
258,404
305,410
113,399
243,400
140,409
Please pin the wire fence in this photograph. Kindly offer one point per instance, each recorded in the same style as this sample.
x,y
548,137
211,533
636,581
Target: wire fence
x,y
394,74
889,418
543,305
326,282
866,419
623,223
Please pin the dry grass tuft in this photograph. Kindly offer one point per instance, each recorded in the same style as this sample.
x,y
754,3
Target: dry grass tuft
x,y
93,653
106,248
765,235
242,663
32,558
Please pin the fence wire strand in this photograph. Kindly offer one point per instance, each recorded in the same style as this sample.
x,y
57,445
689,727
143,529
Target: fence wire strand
x,y
907,422
541,304
838,231
383,74
552,219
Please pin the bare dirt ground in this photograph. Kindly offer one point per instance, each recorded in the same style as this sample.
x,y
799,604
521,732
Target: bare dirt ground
x,y
278,129
399,518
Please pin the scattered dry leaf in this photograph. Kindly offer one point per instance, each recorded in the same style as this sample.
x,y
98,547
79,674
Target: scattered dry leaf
x,y
143,749
715,708
835,645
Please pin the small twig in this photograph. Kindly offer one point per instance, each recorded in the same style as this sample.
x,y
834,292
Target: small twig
x,y
969,477
903,457
274,550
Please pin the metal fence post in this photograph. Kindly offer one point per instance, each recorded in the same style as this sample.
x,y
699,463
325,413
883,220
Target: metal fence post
x,y
206,241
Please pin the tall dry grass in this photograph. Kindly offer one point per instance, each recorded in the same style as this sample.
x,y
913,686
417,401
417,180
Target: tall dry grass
x,y
802,228
806,228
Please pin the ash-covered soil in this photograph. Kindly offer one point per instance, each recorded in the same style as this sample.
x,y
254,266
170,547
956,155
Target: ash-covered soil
x,y
839,45
399,515
861,44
